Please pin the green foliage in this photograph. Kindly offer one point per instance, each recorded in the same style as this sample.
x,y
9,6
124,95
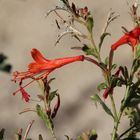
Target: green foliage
x,y
135,65
137,53
88,50
52,95
102,86
133,114
102,39
114,66
48,122
90,23
96,98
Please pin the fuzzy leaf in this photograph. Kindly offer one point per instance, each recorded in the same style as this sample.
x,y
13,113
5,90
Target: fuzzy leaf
x,y
88,51
101,86
44,117
102,39
90,24
52,95
96,98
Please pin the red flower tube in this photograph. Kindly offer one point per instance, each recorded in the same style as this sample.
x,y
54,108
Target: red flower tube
x,y
131,38
41,67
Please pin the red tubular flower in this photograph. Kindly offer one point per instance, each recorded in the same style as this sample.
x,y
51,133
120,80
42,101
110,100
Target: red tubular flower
x,y
41,67
131,38
25,95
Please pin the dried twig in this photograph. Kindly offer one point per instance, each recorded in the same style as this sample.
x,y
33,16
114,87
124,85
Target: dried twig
x,y
27,110
28,129
110,17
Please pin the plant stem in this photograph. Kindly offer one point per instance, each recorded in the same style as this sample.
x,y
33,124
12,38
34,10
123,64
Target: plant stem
x,y
116,124
114,107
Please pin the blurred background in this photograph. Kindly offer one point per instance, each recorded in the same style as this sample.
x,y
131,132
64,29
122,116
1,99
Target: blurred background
x,y
23,26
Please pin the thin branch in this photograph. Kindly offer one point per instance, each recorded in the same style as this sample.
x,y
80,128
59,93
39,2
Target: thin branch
x,y
110,17
128,130
72,31
94,62
28,129
27,110
56,9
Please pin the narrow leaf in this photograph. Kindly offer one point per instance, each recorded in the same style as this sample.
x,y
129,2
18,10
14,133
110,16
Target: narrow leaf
x,y
102,39
137,53
101,86
44,117
104,106
90,24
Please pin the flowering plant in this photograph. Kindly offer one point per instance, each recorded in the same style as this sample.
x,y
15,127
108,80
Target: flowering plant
x,y
114,75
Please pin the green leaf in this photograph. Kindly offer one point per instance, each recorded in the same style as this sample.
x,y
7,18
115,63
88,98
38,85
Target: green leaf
x,y
106,61
40,137
114,66
90,24
136,65
102,39
48,122
101,86
2,134
96,98
133,102
137,53
28,139
88,51
52,95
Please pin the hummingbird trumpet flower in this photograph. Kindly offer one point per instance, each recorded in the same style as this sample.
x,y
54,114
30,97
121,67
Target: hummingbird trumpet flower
x,y
41,68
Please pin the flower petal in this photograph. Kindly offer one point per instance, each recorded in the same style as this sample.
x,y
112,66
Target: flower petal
x,y
38,57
